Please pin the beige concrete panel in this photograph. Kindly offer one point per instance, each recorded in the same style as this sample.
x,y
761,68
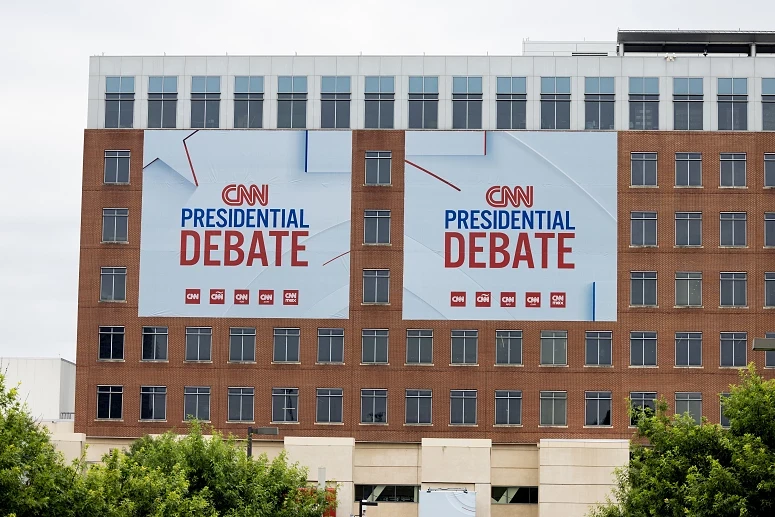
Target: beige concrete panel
x,y
583,457
386,475
386,455
586,494
98,447
514,510
590,443
514,465
561,475
483,499
335,454
515,477
387,510
71,449
271,449
455,461
563,510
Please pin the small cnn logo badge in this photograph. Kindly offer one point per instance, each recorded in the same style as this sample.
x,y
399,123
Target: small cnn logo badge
x,y
457,299
483,299
533,300
193,296
291,297
266,297
217,296
557,300
509,299
241,297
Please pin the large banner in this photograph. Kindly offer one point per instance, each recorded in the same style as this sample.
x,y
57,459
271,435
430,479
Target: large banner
x,y
246,224
510,226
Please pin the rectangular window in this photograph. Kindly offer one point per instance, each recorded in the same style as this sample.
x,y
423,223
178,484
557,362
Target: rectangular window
x,y
643,288
643,348
241,404
196,403
376,226
514,495
462,410
119,102
733,229
374,406
466,103
688,228
111,343
769,229
724,420
423,102
645,401
687,103
162,102
113,284
511,102
109,402
285,404
768,104
329,406
598,408
599,103
769,289
555,102
554,405
380,92
286,346
598,348
330,345
199,341
242,344
769,355
508,407
734,287
688,169
292,102
335,102
689,403
508,347
732,170
155,343
115,225
378,167
205,101
249,102
732,104
643,169
769,169
376,286
465,344
643,228
153,403
644,103
116,168
734,348
418,406
374,346
419,347
554,347
688,289
688,348
387,493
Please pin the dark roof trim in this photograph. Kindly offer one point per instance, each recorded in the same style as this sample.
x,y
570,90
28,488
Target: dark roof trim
x,y
695,37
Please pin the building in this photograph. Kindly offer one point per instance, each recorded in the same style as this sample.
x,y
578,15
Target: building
x,y
46,385
627,188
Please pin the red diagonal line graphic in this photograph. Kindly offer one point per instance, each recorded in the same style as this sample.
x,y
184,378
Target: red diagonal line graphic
x,y
338,256
193,173
426,171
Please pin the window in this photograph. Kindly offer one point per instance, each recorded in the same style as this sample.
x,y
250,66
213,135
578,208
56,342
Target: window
x,y
514,495
511,102
419,347
688,348
688,289
387,493
376,227
643,228
769,168
242,344
285,404
374,346
376,286
724,420
734,349
508,407
733,289
732,170
205,101
644,103
113,284
423,102
689,403
768,104
769,355
380,92
286,346
111,343
373,406
555,103
640,400
687,103
508,347
464,346
241,404
554,347
196,403
418,406
109,401
116,168
643,348
199,342
155,343
554,408
291,102
466,103
115,224
334,102
153,403
119,102
330,345
249,102
329,406
598,103
598,408
688,169
769,229
462,409
732,104
598,348
769,289
643,169
162,102
643,288
688,228
378,167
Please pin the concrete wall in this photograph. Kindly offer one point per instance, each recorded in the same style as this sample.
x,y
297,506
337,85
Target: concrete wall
x,y
47,385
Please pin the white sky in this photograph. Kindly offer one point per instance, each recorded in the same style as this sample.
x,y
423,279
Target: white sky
x,y
44,50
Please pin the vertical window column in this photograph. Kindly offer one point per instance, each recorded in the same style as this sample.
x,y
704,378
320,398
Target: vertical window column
x,y
380,93
162,102
292,102
423,102
119,102
466,103
205,101
511,102
555,102
768,104
249,102
335,102
644,103
599,103
732,104
687,103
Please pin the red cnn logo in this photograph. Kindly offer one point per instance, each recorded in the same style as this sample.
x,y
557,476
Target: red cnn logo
x,y
236,195
532,299
192,296
509,299
241,297
291,297
457,299
217,296
501,196
557,300
266,297
482,299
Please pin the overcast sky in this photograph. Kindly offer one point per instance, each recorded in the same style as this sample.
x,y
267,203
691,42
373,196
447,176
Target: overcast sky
x,y
44,50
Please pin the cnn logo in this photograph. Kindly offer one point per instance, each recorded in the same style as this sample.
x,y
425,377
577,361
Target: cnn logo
x,y
482,299
509,299
557,300
457,299
533,300
265,297
217,296
291,297
193,296
241,297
